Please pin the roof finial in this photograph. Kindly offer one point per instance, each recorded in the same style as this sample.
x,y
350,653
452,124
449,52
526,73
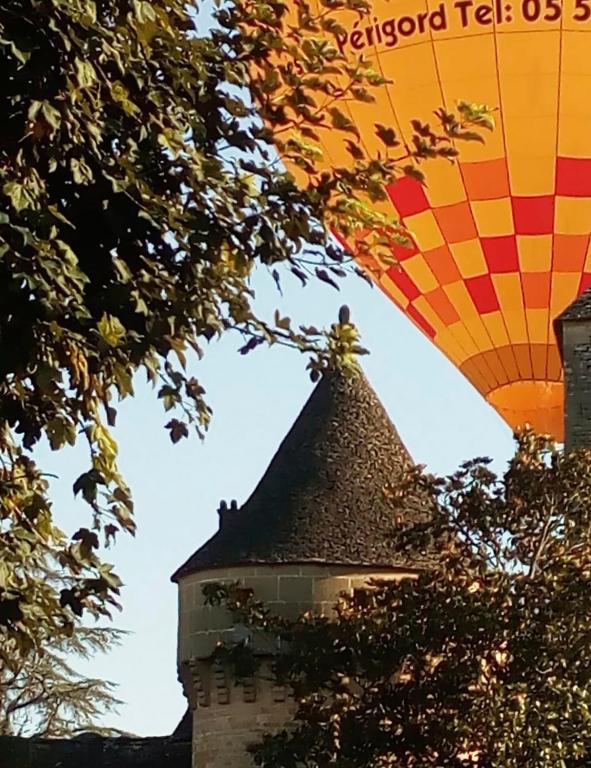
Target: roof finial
x,y
344,315
342,348
343,344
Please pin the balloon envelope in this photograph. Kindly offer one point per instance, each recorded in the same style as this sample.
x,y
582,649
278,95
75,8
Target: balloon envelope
x,y
500,238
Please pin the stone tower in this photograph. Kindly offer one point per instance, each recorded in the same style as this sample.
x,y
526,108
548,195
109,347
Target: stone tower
x,y
316,525
573,331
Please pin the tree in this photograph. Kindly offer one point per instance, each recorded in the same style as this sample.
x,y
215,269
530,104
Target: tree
x,y
46,697
139,187
483,660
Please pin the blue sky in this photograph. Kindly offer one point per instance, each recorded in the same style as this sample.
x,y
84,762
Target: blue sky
x,y
256,398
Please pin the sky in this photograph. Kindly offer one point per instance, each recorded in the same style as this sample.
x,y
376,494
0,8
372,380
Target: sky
x,y
255,399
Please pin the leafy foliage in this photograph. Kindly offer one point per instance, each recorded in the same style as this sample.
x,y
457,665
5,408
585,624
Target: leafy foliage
x,y
46,697
139,187
483,660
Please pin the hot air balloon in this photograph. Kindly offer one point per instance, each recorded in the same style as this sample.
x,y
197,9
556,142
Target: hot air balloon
x,y
500,239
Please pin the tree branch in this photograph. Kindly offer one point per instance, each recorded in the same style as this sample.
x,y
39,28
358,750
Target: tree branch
x,y
541,544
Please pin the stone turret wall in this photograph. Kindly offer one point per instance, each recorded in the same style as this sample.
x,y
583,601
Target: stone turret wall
x,y
576,352
227,717
287,590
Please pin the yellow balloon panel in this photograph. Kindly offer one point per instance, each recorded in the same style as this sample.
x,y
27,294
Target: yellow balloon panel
x,y
500,240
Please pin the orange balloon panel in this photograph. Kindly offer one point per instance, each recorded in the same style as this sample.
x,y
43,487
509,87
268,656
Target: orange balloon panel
x,y
501,238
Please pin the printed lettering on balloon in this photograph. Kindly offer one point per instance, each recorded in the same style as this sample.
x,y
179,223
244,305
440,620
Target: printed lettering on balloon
x,y
390,32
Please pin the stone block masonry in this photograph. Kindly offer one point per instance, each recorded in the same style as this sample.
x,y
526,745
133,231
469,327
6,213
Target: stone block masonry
x,y
576,351
225,726
288,590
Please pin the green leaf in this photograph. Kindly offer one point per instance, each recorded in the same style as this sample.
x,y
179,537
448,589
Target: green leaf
x,y
282,322
177,430
341,122
111,330
386,135
355,150
85,73
87,484
16,193
51,114
59,432
323,275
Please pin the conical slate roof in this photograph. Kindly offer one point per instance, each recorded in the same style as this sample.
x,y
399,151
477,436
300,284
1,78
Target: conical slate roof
x,y
321,499
580,309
